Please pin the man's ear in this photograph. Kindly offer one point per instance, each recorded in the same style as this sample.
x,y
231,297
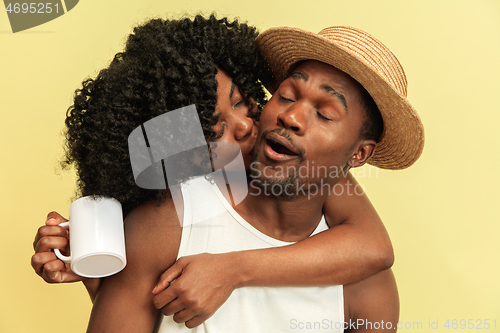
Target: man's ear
x,y
364,150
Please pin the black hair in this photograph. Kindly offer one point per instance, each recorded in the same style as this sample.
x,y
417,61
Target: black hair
x,y
373,125
166,64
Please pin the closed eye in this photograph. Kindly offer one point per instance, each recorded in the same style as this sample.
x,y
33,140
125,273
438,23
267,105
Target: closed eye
x,y
239,103
320,116
283,98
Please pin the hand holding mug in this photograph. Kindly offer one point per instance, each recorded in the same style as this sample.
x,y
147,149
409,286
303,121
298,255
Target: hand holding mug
x,y
44,261
96,237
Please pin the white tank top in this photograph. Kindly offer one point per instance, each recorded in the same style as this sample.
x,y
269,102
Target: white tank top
x,y
249,309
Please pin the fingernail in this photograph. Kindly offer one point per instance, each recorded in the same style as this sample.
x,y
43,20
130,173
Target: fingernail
x,y
154,290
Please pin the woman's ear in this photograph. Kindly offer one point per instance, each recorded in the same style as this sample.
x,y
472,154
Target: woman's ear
x,y
362,154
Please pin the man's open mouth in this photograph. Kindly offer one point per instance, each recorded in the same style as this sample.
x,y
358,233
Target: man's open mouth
x,y
279,148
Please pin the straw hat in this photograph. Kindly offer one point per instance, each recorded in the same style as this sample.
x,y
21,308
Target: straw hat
x,y
370,63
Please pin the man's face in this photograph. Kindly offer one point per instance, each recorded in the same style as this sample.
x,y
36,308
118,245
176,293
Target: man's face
x,y
309,130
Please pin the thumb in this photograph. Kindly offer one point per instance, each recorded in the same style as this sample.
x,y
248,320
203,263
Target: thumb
x,y
54,218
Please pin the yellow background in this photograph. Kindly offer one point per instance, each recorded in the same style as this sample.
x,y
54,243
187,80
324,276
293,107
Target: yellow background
x,y
442,213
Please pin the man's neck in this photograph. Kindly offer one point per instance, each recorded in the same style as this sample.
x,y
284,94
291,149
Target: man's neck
x,y
289,220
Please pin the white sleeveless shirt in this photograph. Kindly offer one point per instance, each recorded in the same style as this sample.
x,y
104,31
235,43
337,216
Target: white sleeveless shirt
x,y
249,309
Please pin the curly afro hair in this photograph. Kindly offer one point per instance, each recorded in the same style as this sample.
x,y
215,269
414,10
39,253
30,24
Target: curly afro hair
x,y
166,64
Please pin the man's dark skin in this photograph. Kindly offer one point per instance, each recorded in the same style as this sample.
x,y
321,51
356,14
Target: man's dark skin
x,y
317,115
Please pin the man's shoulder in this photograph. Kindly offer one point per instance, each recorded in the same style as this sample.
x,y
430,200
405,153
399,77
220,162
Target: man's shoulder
x,y
373,303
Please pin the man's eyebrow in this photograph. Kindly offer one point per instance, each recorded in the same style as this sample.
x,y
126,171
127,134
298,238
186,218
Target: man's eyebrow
x,y
335,94
324,87
300,76
232,89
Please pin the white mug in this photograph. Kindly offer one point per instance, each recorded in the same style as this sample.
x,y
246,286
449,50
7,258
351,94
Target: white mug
x,y
96,237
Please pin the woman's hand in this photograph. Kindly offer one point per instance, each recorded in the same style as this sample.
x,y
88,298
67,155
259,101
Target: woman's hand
x,y
203,282
44,261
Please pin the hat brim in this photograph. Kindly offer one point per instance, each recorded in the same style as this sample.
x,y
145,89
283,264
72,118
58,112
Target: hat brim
x,y
402,141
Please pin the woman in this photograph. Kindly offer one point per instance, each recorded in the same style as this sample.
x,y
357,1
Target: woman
x,y
212,63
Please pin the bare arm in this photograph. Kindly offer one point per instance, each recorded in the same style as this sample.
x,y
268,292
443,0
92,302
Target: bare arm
x,y
358,232
372,305
354,248
124,302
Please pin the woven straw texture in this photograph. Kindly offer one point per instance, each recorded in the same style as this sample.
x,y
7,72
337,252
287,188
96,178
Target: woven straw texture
x,y
370,63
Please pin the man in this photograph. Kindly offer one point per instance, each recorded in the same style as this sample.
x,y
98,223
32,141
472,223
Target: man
x,y
317,120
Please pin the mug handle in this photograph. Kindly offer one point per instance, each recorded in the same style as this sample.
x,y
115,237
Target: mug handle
x,y
66,259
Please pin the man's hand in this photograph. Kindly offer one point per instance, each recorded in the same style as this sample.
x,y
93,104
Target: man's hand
x,y
203,282
44,261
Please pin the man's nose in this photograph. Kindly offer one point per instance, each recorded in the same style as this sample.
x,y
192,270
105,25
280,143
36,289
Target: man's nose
x,y
295,117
